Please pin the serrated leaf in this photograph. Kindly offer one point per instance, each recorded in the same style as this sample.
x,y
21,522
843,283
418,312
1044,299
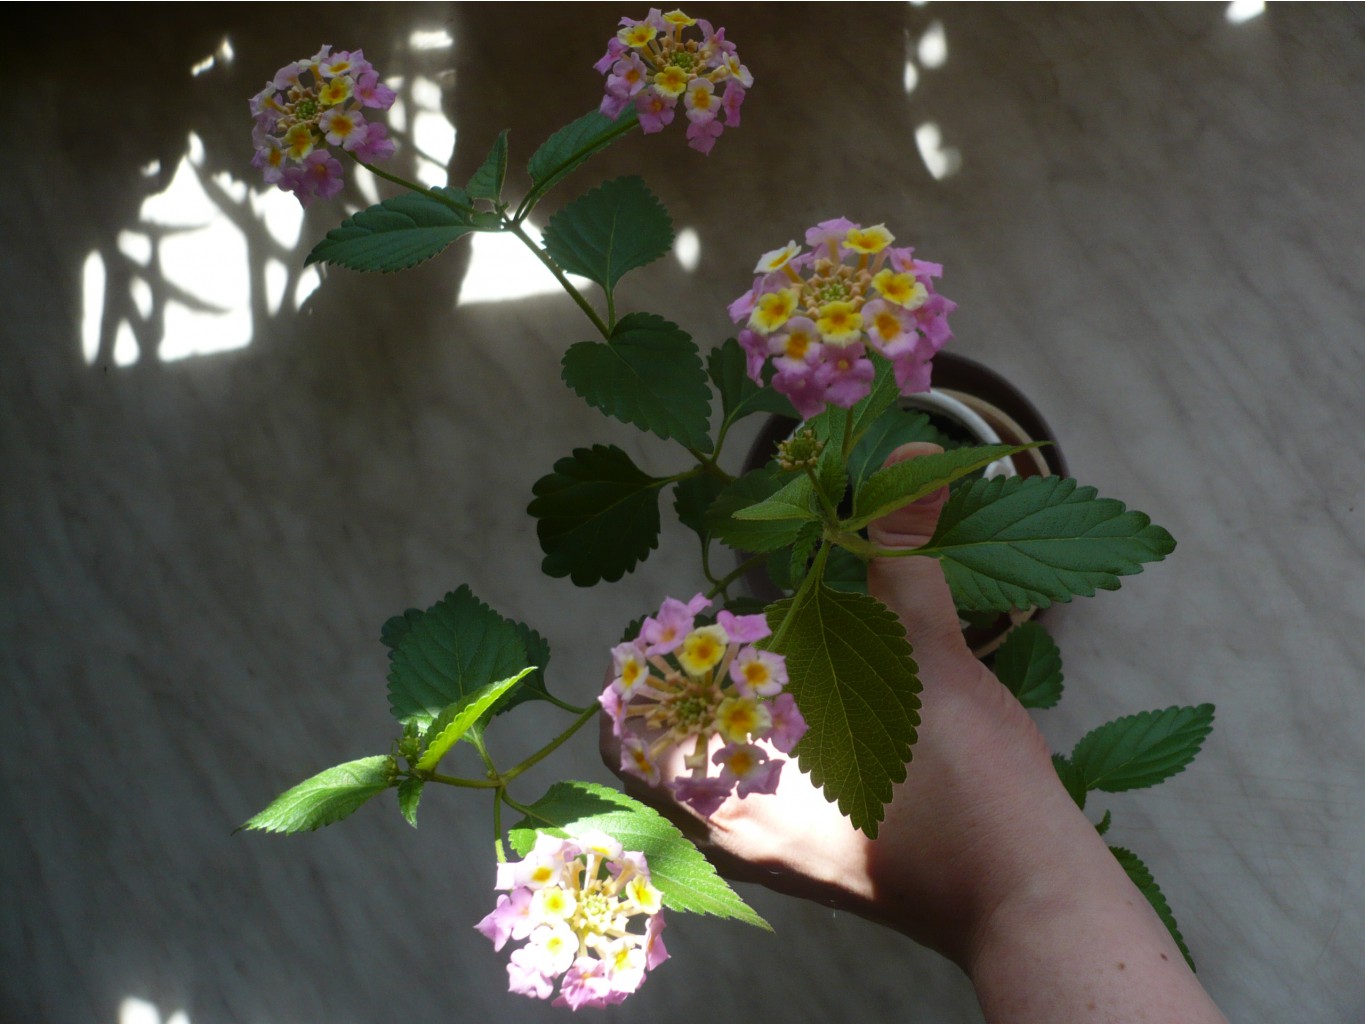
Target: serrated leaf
x,y
393,631
1102,826
1012,542
1030,665
896,486
488,179
409,796
685,877
605,233
793,500
455,649
1143,749
571,145
597,515
855,682
326,797
893,428
647,374
455,720
1146,884
532,687
692,497
396,234
740,396
747,535
1071,779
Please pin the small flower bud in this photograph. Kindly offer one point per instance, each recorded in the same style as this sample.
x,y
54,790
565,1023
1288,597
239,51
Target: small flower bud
x,y
800,451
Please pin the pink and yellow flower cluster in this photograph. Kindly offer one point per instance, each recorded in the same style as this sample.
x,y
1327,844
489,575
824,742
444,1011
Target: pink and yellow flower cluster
x,y
578,904
679,685
311,104
650,65
821,314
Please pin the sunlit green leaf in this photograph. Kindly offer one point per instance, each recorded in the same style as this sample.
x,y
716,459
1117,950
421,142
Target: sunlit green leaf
x,y
1143,749
454,721
326,797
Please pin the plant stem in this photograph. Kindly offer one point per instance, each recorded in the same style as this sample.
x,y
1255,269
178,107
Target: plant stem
x,y
515,227
451,780
588,714
497,824
744,567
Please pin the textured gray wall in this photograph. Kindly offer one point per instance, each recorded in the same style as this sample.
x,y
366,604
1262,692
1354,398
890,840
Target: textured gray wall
x,y
1152,227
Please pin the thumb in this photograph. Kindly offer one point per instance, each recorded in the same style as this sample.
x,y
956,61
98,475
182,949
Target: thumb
x,y
914,588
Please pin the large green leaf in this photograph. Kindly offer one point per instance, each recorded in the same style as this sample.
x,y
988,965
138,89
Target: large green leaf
x,y
455,720
685,877
326,797
896,486
856,683
603,234
893,428
751,535
488,179
396,234
570,146
1030,666
648,374
451,651
597,515
740,396
1142,878
1012,542
1141,750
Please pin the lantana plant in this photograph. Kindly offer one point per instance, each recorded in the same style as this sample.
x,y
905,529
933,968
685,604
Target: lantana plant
x,y
707,696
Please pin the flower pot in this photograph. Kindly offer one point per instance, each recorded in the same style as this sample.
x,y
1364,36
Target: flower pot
x,y
968,402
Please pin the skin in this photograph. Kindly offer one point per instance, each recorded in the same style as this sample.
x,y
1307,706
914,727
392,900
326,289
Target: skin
x,y
983,856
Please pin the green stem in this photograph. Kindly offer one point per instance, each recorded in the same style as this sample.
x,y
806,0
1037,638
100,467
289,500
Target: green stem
x,y
451,780
514,226
517,806
831,513
497,824
813,578
588,714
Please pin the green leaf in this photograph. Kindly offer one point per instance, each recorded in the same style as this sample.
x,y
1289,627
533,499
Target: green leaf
x,y
396,234
832,425
597,515
1071,779
1103,825
326,797
855,681
570,146
532,687
751,535
603,234
1141,750
846,571
1142,878
409,796
455,720
793,500
452,651
893,428
488,179
1030,666
686,878
692,497
1012,542
648,374
896,486
740,396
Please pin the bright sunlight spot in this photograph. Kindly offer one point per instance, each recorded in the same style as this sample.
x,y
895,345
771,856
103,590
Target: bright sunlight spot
x,y
139,1011
688,249
911,77
942,161
933,46
431,39
501,268
1244,10
433,136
